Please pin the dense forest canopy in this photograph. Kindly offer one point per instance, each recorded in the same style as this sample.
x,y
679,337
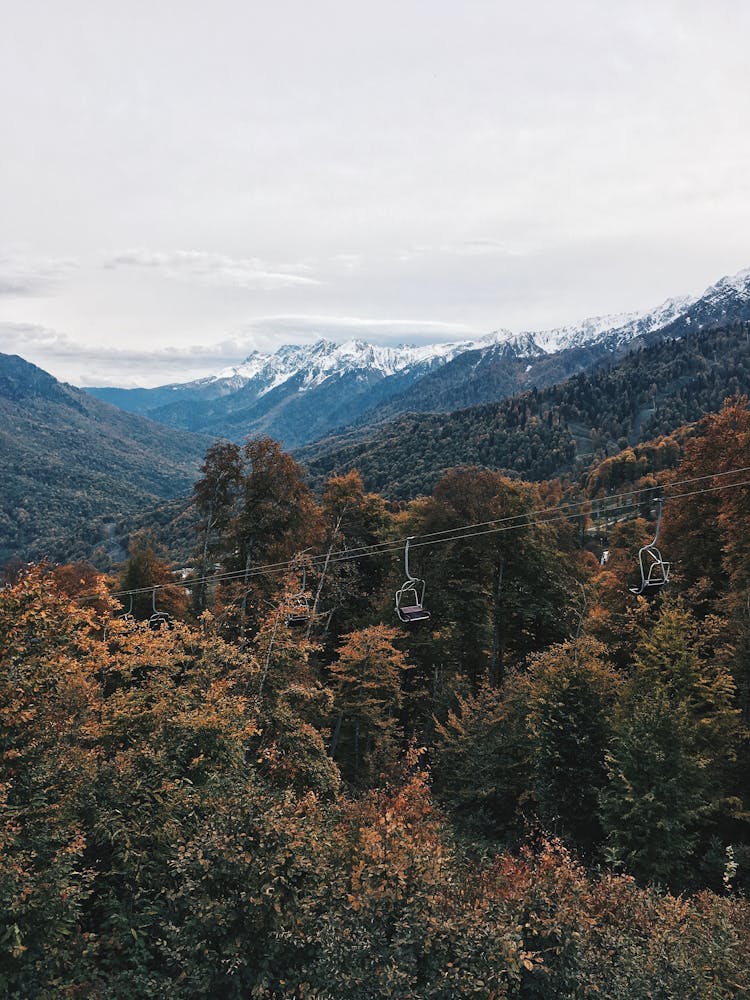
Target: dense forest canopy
x,y
256,782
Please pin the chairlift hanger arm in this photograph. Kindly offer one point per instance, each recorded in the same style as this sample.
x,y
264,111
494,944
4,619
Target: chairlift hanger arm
x,y
659,506
406,558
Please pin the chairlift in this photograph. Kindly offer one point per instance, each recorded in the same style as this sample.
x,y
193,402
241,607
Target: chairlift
x,y
300,605
604,558
410,596
158,618
654,571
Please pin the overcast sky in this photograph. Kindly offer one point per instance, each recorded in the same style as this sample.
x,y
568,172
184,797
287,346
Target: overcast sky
x,y
183,181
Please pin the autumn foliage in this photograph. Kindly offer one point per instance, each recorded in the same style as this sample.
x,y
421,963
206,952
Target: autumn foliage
x,y
540,794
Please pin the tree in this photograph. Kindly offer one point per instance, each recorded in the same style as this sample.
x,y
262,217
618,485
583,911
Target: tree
x,y
673,735
50,698
348,588
146,572
277,515
367,677
571,695
498,596
274,517
707,534
215,498
480,760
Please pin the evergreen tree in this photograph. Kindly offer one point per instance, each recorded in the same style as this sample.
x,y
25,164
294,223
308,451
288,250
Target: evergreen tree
x,y
480,760
367,677
673,733
145,569
571,694
215,496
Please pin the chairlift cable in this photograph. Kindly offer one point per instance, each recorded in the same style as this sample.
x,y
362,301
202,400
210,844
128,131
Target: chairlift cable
x,y
450,535
461,532
527,519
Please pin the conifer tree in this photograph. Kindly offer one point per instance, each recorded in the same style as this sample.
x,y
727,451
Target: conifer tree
x,y
367,678
674,730
480,759
571,694
215,498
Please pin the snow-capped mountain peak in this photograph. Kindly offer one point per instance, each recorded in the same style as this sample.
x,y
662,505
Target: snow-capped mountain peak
x,y
323,359
301,392
312,364
618,328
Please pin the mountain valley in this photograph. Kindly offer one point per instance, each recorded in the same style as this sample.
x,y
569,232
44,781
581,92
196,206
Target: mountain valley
x,y
80,474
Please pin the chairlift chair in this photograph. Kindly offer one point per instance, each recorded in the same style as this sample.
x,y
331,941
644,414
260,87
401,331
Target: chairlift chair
x,y
300,612
410,596
654,571
158,618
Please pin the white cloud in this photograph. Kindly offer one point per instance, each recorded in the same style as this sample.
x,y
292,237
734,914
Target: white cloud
x,y
307,327
493,164
85,364
23,274
214,269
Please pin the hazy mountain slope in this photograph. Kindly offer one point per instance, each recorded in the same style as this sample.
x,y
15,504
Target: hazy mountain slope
x,y
297,394
67,459
490,375
286,411
543,433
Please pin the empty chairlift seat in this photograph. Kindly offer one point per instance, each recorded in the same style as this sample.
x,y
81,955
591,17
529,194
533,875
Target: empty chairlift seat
x,y
654,570
410,596
299,613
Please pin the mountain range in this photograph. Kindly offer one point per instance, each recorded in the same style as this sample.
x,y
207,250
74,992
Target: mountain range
x,y
302,393
559,431
78,473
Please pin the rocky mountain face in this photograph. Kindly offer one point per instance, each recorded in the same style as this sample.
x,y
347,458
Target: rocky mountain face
x,y
303,392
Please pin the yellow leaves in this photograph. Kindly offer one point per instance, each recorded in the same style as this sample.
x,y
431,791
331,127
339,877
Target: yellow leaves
x,y
530,960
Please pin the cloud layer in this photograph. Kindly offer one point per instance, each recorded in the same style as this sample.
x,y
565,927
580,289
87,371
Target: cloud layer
x,y
213,269
91,365
206,174
22,274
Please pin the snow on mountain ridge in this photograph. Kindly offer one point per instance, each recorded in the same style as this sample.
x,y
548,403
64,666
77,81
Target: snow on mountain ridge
x,y
737,283
318,361
314,363
623,326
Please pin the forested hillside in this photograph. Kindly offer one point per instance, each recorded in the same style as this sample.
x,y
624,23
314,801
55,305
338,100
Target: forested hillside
x,y
273,788
68,461
555,431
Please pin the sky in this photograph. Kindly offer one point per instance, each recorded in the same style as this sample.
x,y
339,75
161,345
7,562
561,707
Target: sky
x,y
183,182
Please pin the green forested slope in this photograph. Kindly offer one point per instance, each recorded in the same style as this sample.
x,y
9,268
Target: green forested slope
x,y
67,460
542,433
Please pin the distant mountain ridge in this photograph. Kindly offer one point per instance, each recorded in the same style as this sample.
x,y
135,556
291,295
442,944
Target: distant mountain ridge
x,y
301,393
69,464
